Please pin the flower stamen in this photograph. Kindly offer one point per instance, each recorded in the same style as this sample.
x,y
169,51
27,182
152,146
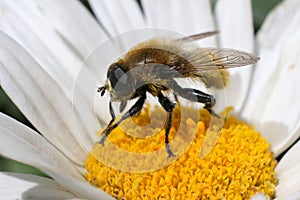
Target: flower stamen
x,y
239,166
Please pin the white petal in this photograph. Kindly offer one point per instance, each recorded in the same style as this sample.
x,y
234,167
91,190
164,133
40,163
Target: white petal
x,y
276,32
34,33
234,21
278,115
186,17
118,16
39,98
73,23
59,35
259,196
294,196
273,105
289,160
77,28
24,145
279,122
288,174
25,186
21,143
82,188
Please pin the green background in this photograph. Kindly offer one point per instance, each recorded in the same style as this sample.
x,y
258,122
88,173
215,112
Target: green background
x,y
260,10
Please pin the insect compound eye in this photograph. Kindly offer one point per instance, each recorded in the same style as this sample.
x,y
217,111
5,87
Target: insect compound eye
x,y
120,80
117,75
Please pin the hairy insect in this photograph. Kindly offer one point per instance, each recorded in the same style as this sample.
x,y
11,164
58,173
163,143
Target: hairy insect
x,y
153,66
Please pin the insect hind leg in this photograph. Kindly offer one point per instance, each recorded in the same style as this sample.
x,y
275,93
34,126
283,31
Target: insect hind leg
x,y
197,96
168,106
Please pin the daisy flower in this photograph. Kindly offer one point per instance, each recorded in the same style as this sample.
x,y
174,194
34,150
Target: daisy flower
x,y
43,45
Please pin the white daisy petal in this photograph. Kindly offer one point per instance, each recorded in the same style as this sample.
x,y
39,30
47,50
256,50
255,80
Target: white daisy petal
x,y
82,188
279,122
21,143
294,196
25,186
39,98
289,175
119,15
32,30
234,21
190,17
59,35
24,145
259,196
73,23
81,33
273,104
278,29
289,160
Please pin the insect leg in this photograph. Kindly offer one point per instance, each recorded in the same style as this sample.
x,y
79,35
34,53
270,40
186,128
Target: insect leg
x,y
137,107
112,114
113,117
168,106
196,96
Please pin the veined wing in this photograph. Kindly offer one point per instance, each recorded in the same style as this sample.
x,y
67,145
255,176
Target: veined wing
x,y
198,36
217,58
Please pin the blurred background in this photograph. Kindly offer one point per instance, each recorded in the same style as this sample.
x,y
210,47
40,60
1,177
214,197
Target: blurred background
x,y
260,10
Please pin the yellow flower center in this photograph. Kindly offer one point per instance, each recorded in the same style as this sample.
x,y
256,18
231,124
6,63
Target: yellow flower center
x,y
239,166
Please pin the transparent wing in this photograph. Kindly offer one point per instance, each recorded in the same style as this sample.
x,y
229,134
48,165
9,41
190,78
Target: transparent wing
x,y
198,36
215,58
218,58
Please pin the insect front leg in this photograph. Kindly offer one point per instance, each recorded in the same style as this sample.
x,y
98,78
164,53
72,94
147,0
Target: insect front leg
x,y
113,117
168,106
137,107
197,96
112,114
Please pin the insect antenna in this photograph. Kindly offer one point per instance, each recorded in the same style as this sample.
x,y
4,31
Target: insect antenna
x,y
101,90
